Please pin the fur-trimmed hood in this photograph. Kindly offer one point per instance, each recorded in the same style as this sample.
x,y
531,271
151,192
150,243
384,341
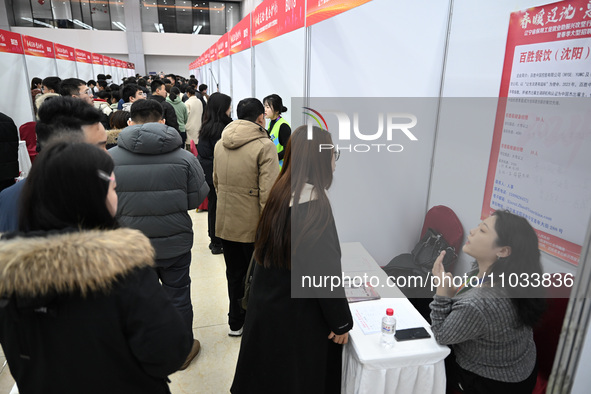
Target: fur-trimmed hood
x,y
82,261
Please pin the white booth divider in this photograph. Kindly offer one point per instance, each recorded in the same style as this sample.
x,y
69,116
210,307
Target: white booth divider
x,y
40,57
84,64
241,77
225,75
279,69
107,66
17,104
65,58
384,211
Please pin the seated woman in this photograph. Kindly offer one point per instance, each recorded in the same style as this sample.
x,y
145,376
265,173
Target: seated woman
x,y
292,336
81,309
488,325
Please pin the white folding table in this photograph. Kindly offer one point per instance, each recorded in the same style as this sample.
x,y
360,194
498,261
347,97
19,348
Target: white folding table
x,y
410,367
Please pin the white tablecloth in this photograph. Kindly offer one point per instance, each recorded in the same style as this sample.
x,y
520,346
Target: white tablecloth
x,y
410,367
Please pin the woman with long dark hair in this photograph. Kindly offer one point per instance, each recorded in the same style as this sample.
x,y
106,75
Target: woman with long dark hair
x,y
488,320
215,118
81,308
293,334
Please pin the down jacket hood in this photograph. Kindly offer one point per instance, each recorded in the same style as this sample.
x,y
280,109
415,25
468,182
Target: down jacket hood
x,y
240,132
149,139
62,263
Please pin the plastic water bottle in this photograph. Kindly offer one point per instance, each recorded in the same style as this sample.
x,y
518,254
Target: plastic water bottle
x,y
388,329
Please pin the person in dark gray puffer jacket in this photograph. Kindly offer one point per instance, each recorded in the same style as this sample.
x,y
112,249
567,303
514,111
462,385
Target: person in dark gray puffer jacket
x,y
157,183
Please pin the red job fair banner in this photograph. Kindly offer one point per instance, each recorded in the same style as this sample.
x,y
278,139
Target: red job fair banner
x,y
319,10
64,52
97,59
83,56
222,47
10,42
37,47
213,53
539,158
240,35
273,18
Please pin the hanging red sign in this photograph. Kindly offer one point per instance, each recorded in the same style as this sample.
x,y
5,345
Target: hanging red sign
x,y
222,47
319,10
10,42
83,56
64,52
37,47
239,37
97,59
273,18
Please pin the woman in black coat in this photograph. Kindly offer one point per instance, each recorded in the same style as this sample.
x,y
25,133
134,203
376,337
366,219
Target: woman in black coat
x,y
215,118
293,333
81,308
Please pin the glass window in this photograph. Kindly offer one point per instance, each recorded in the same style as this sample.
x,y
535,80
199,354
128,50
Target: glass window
x,y
149,13
167,16
184,17
22,13
76,13
42,11
232,15
101,18
86,21
117,15
217,17
200,17
62,13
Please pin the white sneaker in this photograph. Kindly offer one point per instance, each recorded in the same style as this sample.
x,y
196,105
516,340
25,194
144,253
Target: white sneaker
x,y
236,333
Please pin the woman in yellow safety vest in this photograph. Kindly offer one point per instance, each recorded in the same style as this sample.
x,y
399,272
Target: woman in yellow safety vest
x,y
278,127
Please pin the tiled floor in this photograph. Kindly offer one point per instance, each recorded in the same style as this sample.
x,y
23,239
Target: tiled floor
x,y
213,370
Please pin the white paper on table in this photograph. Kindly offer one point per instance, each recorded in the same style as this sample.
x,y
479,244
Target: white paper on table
x,y
356,263
368,316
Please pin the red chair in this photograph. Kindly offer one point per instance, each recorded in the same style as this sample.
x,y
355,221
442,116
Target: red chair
x,y
547,331
205,203
27,133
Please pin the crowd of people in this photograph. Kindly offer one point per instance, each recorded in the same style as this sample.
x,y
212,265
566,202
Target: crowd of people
x,y
96,251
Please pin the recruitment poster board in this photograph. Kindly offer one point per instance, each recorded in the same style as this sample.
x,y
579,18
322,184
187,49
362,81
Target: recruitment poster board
x,y
239,37
272,19
540,163
107,62
65,58
17,104
83,64
317,11
40,57
97,65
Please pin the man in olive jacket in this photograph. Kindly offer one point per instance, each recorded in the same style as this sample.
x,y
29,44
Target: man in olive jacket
x,y
245,167
157,183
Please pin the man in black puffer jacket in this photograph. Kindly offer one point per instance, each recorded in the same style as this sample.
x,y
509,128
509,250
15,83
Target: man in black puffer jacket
x,y
157,183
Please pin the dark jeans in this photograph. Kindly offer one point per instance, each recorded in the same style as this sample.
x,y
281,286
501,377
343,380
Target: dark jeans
x,y
176,282
212,203
475,384
237,256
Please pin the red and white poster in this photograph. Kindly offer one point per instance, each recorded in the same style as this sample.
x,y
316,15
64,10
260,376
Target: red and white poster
x,y
540,161
65,58
213,53
273,18
40,57
319,10
10,42
222,47
17,104
240,36
37,47
84,64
